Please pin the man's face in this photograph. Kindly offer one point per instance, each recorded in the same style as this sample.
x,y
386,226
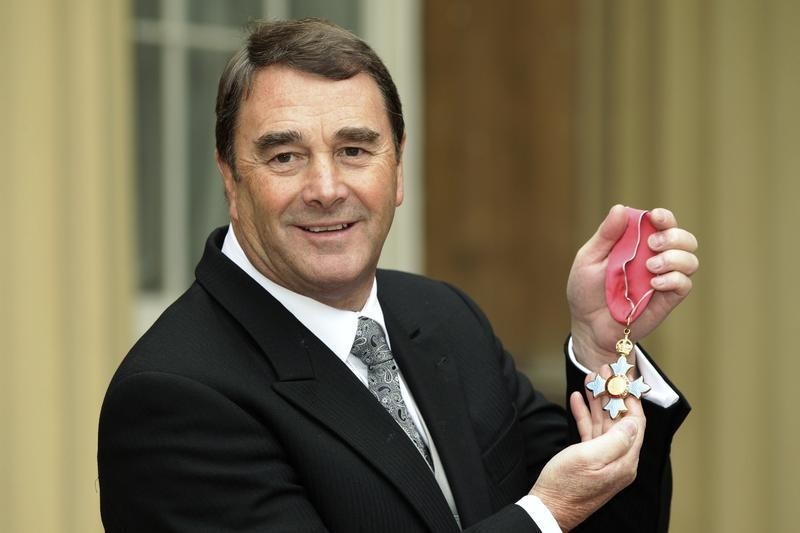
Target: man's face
x,y
319,182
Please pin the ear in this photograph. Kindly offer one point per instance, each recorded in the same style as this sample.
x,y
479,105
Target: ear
x,y
399,183
229,183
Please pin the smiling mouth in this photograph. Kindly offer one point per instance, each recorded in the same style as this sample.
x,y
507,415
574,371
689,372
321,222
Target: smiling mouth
x,y
325,229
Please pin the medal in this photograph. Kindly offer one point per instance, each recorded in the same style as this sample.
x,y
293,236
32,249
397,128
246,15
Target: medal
x,y
628,292
618,386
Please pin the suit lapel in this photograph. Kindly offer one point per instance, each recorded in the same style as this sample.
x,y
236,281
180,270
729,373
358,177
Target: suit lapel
x,y
336,399
315,381
432,376
271,326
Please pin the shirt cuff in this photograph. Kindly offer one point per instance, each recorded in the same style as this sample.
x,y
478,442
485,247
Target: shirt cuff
x,y
660,392
539,513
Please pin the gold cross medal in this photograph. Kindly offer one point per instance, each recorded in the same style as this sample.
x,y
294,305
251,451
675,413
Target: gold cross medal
x,y
619,386
628,291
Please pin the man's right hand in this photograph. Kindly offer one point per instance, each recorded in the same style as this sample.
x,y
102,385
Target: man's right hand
x,y
582,477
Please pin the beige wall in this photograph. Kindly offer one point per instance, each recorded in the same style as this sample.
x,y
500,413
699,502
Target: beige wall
x,y
65,273
694,105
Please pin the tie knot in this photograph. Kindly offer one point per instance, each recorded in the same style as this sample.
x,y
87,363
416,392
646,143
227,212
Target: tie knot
x,y
370,343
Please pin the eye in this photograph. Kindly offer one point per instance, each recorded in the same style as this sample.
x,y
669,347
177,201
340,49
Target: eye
x,y
286,162
352,151
283,158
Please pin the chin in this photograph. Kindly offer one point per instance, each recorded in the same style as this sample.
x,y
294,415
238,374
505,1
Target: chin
x,y
344,268
338,278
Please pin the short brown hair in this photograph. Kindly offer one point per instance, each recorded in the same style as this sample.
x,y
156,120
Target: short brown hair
x,y
310,45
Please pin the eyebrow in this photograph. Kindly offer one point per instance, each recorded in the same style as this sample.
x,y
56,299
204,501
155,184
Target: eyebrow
x,y
272,139
357,135
277,138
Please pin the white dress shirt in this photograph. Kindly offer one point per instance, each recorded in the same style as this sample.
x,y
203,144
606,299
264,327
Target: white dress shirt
x,y
336,328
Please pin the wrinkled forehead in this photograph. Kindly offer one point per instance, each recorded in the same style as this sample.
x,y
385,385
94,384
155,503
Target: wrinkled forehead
x,y
292,90
281,97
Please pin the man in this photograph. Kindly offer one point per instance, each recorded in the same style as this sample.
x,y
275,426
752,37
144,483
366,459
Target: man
x,y
250,405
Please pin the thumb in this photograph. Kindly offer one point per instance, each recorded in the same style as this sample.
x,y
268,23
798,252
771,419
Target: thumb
x,y
615,443
608,233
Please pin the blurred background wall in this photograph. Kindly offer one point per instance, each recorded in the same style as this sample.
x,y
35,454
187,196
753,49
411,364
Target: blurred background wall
x,y
67,267
527,121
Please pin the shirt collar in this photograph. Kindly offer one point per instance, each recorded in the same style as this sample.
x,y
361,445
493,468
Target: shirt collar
x,y
336,328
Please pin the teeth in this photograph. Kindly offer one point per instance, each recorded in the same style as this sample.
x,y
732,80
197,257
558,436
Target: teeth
x,y
327,228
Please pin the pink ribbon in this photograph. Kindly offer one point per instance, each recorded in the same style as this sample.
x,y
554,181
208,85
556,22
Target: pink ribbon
x,y
628,288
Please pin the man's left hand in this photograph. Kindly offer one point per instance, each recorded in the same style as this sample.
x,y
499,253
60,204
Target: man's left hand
x,y
594,331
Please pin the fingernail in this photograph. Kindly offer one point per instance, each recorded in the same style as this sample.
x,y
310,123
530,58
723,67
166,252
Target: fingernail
x,y
655,241
658,281
655,264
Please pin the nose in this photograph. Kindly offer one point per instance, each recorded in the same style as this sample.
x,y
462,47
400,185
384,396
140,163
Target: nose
x,y
324,184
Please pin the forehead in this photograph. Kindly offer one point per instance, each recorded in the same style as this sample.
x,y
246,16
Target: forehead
x,y
282,97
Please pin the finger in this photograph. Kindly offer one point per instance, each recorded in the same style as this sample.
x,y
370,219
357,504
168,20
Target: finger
x,y
635,408
595,409
673,260
608,233
662,218
583,418
615,443
676,282
600,418
672,238
636,412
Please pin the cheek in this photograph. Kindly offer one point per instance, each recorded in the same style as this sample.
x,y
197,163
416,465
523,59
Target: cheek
x,y
380,191
255,209
269,202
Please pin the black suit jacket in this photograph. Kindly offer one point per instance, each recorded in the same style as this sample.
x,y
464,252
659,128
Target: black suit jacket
x,y
229,415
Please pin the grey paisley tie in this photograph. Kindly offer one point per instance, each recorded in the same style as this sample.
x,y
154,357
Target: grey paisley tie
x,y
383,379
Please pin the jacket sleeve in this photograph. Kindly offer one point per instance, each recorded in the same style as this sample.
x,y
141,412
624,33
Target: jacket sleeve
x,y
645,504
547,428
168,443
